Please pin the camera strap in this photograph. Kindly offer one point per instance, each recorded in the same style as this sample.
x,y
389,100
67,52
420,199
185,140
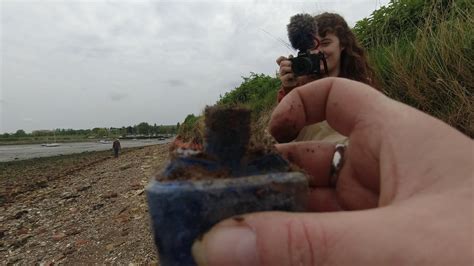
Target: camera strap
x,y
321,54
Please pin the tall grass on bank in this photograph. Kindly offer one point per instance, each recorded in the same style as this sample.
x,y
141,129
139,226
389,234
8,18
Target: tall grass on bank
x,y
435,71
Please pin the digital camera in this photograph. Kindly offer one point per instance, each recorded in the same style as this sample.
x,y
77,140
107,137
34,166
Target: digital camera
x,y
306,63
302,32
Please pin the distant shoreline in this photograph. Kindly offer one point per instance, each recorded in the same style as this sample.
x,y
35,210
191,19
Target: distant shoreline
x,y
59,140
32,142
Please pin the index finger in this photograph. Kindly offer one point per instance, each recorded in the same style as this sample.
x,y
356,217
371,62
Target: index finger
x,y
280,59
341,102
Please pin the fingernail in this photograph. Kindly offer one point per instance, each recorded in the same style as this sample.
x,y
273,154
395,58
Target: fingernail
x,y
227,245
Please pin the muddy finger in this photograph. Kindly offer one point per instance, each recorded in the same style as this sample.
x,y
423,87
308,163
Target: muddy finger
x,y
312,156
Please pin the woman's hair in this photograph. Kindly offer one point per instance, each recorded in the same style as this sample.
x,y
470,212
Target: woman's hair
x,y
354,63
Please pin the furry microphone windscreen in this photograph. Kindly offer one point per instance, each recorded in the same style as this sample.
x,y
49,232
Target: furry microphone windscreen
x,y
302,31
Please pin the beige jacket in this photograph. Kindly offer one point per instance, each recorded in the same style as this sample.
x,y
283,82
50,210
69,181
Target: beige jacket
x,y
321,132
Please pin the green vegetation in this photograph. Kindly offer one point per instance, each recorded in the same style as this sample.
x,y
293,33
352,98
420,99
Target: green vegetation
x,y
422,52
257,92
191,127
402,19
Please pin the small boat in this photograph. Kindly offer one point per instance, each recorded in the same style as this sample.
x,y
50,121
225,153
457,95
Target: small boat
x,y
54,144
50,144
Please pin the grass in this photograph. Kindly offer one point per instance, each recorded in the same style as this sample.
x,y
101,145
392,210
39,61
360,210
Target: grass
x,y
435,72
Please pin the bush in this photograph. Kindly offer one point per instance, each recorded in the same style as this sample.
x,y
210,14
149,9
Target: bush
x,y
191,128
257,92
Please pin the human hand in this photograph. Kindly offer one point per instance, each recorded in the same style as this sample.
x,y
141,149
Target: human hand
x,y
407,177
287,78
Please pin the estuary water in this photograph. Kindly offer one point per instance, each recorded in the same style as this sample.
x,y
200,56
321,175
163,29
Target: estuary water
x,y
29,151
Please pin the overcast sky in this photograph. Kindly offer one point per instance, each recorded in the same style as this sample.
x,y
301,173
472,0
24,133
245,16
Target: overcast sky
x,y
85,64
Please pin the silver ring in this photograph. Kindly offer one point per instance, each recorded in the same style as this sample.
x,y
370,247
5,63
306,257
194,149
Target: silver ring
x,y
336,164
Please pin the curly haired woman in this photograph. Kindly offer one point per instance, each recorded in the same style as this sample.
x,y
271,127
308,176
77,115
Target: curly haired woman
x,y
345,58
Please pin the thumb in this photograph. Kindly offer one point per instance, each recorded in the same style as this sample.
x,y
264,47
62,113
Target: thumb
x,y
277,238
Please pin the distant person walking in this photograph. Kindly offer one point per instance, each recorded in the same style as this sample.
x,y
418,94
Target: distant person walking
x,y
116,147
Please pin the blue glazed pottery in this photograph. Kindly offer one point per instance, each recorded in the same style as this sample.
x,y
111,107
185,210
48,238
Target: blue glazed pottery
x,y
181,211
191,194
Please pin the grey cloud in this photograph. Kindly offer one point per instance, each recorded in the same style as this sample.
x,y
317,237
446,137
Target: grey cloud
x,y
117,96
175,82
88,51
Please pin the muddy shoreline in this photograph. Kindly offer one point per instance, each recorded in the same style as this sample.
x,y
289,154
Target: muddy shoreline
x,y
87,208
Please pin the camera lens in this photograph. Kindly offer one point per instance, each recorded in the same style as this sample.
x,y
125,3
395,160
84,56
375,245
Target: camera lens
x,y
301,66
